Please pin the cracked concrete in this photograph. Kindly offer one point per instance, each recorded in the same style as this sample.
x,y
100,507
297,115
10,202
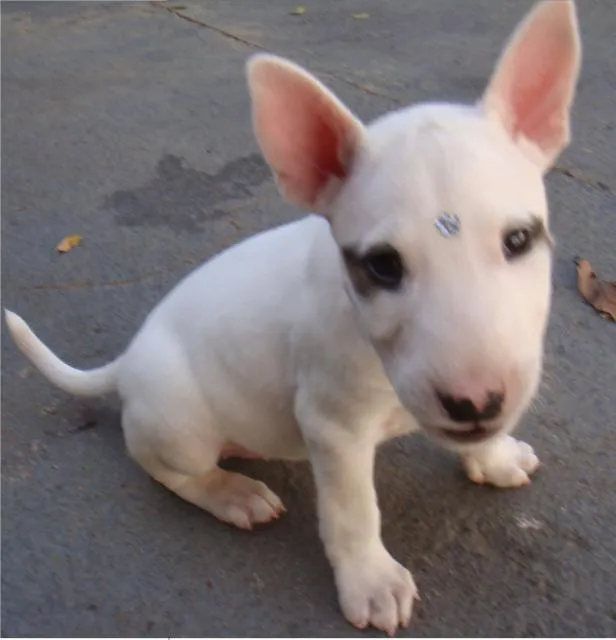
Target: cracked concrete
x,y
131,126
227,34
76,286
184,14
589,180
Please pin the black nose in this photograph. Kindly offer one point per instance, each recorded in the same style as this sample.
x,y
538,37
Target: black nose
x,y
465,410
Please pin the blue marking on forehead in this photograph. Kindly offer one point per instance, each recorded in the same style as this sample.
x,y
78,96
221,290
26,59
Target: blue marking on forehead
x,y
447,224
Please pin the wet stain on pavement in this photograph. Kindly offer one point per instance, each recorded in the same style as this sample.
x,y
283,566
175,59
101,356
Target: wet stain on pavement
x,y
182,198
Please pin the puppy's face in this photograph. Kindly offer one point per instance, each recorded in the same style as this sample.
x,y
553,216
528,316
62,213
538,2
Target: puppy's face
x,y
440,215
443,233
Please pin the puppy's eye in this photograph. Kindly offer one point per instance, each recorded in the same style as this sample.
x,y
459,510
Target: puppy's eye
x,y
384,267
517,242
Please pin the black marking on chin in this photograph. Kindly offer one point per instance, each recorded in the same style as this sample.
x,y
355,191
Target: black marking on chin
x,y
476,434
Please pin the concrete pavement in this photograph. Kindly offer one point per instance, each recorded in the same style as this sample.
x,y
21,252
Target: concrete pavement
x,y
128,123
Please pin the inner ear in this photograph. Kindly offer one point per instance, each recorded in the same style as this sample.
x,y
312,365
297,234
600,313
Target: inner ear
x,y
307,136
532,88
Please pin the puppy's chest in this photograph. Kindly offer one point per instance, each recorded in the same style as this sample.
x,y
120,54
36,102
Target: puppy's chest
x,y
397,422
387,417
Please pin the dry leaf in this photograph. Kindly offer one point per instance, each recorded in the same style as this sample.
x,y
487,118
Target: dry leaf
x,y
68,243
598,293
361,16
298,11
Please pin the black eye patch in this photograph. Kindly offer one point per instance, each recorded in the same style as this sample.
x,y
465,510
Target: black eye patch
x,y
380,268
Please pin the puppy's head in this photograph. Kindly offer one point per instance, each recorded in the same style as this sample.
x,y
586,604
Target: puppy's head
x,y
440,215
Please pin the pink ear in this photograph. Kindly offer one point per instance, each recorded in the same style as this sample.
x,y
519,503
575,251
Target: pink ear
x,y
533,85
307,136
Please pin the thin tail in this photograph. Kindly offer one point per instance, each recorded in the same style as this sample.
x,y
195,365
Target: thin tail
x,y
95,382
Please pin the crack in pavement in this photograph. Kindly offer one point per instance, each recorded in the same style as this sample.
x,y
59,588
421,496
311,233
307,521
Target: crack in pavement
x,y
206,25
260,47
89,284
584,178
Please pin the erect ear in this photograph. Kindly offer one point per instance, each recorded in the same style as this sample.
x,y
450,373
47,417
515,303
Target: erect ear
x,y
532,88
306,135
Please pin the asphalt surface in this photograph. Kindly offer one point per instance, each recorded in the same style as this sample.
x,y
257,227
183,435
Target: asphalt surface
x,y
128,123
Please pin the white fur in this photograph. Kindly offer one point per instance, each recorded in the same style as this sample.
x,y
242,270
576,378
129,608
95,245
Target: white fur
x,y
267,348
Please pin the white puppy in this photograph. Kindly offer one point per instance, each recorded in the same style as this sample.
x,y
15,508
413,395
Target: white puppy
x,y
416,300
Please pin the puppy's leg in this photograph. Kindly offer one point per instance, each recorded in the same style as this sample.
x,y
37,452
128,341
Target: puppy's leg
x,y
231,497
502,461
373,589
184,459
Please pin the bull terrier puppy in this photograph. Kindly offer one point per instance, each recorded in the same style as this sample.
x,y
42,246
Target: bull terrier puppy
x,y
414,297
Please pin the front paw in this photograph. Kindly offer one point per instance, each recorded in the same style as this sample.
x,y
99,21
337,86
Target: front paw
x,y
504,462
376,590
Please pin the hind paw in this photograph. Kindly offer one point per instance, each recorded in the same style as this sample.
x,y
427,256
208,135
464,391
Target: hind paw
x,y
242,501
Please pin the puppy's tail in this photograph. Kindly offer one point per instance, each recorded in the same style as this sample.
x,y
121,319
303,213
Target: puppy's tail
x,y
95,382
